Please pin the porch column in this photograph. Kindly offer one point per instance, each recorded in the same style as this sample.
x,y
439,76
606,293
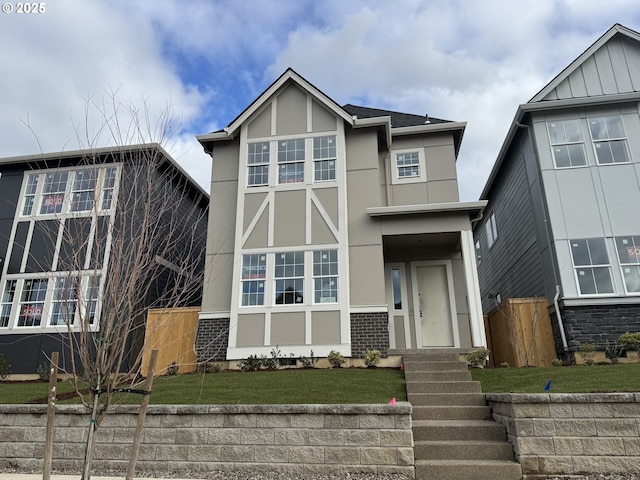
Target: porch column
x,y
478,337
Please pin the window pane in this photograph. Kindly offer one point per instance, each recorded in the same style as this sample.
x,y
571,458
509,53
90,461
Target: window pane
x,y
324,170
598,129
632,278
63,308
396,286
619,151
408,164
7,302
561,156
628,249
598,251
614,126
556,132
604,153
252,293
573,132
258,175
289,291
602,278
586,281
291,173
53,191
326,290
258,153
92,297
289,269
580,252
254,266
34,292
576,155
324,147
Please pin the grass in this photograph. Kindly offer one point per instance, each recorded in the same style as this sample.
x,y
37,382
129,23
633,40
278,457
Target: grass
x,y
352,385
573,379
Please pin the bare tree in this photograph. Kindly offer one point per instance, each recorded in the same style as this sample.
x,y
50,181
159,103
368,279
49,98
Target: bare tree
x,y
135,239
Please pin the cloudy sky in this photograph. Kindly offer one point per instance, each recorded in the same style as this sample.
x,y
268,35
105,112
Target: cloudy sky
x,y
466,60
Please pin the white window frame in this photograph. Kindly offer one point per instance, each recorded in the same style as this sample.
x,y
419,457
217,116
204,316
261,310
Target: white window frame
x,y
320,277
319,158
258,164
491,229
38,195
564,142
250,279
591,267
295,278
287,162
422,170
635,246
600,142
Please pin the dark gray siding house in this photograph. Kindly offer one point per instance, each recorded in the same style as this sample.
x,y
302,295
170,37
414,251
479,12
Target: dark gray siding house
x,y
61,222
561,218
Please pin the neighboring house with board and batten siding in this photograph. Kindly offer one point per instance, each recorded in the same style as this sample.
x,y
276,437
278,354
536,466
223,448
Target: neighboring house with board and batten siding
x,y
336,228
561,220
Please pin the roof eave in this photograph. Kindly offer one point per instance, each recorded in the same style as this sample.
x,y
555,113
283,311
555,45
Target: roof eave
x,y
428,208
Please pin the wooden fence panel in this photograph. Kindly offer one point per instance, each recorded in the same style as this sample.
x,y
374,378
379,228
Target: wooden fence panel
x,y
172,332
519,332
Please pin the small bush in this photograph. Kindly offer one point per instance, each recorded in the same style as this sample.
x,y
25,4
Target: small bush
x,y
44,372
478,357
372,358
5,367
588,352
505,365
556,362
172,369
308,362
250,364
209,367
335,359
613,352
630,341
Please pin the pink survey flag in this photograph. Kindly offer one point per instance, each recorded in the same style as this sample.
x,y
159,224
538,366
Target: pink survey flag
x,y
393,401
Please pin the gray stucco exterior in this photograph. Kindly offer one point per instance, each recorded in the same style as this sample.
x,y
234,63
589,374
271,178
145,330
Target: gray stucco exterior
x,y
563,195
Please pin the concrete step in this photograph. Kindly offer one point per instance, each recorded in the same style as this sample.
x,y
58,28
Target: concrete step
x,y
435,399
463,450
458,376
444,387
432,357
467,470
451,412
446,430
453,366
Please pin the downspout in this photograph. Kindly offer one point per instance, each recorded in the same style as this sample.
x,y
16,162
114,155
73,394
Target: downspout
x,y
559,318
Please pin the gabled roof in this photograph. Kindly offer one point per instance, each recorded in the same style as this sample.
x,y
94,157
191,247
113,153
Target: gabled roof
x,y
542,101
398,119
356,116
578,62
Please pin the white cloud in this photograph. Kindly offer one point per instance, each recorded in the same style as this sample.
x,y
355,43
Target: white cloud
x,y
473,61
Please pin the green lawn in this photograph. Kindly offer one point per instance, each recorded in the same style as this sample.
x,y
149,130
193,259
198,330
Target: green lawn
x,y
573,379
345,385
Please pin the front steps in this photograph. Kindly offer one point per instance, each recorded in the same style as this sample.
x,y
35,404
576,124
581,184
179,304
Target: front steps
x,y
454,435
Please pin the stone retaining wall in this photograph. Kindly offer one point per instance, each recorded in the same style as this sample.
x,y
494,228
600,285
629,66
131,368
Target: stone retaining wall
x,y
297,439
571,434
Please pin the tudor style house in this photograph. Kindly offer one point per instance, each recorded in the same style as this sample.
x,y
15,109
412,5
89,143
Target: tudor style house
x,y
58,215
561,220
336,228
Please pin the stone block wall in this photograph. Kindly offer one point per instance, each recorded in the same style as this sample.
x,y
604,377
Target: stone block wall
x,y
571,434
296,439
369,331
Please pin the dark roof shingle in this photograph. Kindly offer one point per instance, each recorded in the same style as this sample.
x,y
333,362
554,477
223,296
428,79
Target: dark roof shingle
x,y
398,119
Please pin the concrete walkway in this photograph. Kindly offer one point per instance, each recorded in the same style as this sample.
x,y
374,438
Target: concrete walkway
x,y
38,476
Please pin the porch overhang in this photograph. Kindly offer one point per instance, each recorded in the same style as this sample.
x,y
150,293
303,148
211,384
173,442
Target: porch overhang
x,y
473,209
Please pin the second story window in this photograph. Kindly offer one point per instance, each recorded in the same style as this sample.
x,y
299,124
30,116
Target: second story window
x,y
629,256
291,161
491,229
567,143
408,164
53,190
324,158
609,139
258,163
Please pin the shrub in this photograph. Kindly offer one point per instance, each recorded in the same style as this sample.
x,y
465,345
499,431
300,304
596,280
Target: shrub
x,y
630,341
587,352
250,364
372,358
209,367
308,362
478,357
505,365
44,372
335,359
5,367
556,362
173,369
613,352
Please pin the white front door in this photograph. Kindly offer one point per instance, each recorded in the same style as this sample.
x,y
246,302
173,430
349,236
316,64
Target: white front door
x,y
434,304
